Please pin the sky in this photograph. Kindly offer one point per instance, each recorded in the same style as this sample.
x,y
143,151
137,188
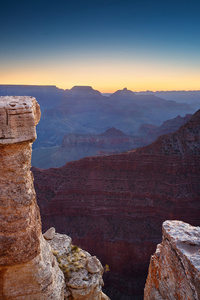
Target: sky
x,y
139,44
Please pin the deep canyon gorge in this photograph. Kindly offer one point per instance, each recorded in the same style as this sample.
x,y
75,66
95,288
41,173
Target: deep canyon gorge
x,y
114,206
111,205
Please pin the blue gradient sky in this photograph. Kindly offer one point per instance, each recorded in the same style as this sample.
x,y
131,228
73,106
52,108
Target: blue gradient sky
x,y
106,44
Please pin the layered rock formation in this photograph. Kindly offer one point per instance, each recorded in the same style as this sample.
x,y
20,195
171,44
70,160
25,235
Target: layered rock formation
x,y
28,270
84,110
114,206
174,271
76,146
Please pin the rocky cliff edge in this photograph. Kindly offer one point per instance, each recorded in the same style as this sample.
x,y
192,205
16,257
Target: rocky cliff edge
x,y
174,271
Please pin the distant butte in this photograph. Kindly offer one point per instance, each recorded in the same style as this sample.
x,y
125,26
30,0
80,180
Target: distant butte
x,y
113,132
83,91
123,93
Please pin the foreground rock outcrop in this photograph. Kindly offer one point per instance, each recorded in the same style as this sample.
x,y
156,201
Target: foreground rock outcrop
x,y
83,272
114,206
28,269
174,271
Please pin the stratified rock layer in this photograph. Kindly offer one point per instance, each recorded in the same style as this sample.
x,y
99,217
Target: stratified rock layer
x,y
114,206
76,146
28,269
174,271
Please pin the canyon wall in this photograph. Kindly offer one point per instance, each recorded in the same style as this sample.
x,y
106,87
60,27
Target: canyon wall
x,y
174,271
169,126
112,141
114,206
28,269
76,146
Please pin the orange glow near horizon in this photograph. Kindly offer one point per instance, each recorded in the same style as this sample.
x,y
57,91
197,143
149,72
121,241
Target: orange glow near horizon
x,y
106,88
107,77
154,47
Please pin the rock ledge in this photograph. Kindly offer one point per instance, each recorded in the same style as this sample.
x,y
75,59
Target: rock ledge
x,y
174,271
83,272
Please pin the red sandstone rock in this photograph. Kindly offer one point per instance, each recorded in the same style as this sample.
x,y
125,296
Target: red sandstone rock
x,y
114,206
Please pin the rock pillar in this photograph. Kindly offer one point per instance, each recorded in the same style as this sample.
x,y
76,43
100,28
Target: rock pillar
x,y
28,270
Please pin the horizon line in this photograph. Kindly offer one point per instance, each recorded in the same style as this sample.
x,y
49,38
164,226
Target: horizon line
x,y
68,89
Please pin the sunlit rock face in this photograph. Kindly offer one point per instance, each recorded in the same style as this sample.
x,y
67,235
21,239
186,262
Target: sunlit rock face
x,y
28,270
114,206
174,271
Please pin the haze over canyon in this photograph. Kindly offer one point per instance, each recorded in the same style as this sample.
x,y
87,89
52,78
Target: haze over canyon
x,y
114,205
141,167
76,123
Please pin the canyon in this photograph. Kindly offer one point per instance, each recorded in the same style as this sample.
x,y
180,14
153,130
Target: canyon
x,y
114,206
75,146
83,114
84,110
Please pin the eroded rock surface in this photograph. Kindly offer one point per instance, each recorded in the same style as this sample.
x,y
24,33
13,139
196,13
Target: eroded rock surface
x,y
18,118
28,270
83,272
174,271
